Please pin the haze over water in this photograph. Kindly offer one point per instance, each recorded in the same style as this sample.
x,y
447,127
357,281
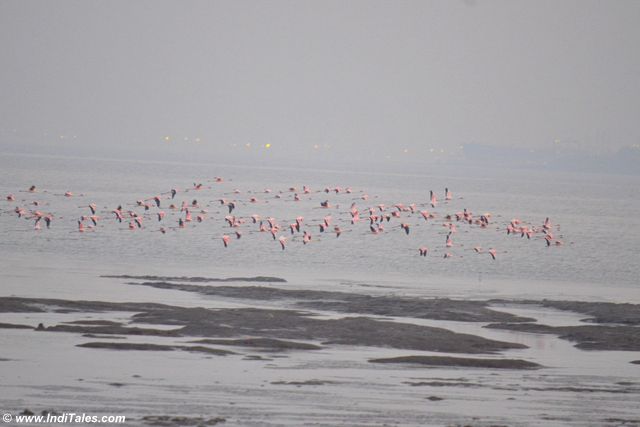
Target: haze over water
x,y
514,106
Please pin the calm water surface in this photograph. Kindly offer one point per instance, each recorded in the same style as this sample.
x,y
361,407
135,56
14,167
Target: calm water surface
x,y
594,215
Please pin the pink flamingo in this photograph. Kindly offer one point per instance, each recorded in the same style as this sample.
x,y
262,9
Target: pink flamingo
x,y
405,227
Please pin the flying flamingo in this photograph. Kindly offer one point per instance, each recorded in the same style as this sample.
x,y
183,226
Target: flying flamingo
x,y
449,241
405,227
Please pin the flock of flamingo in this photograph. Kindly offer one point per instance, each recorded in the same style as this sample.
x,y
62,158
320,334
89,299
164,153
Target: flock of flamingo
x,y
185,210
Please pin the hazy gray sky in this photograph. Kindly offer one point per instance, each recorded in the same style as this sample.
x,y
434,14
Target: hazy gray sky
x,y
360,76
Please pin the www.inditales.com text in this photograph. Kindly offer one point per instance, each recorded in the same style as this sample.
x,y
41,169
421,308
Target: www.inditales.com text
x,y
64,418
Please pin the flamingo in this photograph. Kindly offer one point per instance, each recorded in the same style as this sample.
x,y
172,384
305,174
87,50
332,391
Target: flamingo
x,y
283,241
447,194
225,240
492,252
405,227
118,214
423,250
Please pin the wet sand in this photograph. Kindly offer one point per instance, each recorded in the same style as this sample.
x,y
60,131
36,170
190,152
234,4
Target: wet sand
x,y
288,356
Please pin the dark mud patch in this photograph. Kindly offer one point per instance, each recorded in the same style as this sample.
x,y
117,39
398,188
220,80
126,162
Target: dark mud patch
x,y
174,421
273,324
435,398
567,389
115,330
255,357
288,324
587,337
343,302
43,305
94,322
203,349
4,359
261,343
127,346
461,362
109,337
301,383
14,326
259,279
600,312
635,362
154,347
442,384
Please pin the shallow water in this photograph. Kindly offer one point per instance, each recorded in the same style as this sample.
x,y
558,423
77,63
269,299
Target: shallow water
x,y
593,212
598,262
